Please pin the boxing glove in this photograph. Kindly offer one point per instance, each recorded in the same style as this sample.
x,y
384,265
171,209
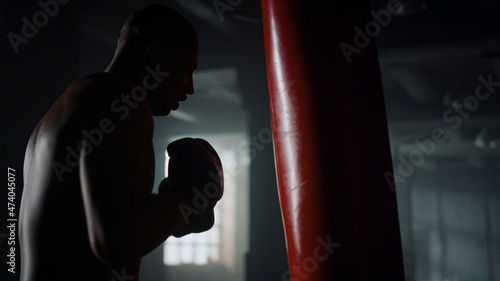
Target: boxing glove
x,y
194,170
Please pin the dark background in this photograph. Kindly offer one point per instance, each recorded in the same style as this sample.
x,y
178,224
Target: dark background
x,y
430,55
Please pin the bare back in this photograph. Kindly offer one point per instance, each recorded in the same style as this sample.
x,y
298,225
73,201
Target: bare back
x,y
53,232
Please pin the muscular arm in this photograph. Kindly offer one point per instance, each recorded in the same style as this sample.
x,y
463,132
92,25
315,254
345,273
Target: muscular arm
x,y
125,221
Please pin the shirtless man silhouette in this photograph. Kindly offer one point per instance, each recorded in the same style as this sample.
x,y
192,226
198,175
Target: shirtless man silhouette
x,y
87,210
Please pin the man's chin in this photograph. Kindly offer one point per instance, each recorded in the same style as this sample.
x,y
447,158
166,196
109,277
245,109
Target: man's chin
x,y
175,106
166,110
163,112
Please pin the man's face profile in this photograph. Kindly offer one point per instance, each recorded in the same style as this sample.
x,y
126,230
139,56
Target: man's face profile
x,y
164,45
178,84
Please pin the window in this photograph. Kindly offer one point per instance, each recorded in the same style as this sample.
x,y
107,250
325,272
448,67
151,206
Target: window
x,y
225,244
198,249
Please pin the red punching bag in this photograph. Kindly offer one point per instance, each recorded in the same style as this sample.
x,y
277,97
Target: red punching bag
x,y
331,141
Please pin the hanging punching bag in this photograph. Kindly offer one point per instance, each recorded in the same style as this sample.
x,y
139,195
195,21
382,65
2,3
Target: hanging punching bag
x,y
331,141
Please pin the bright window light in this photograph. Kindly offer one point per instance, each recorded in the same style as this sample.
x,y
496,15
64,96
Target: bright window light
x,y
217,245
196,248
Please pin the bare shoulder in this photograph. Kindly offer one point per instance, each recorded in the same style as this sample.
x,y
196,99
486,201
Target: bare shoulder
x,y
106,109
103,96
91,108
96,100
90,93
91,104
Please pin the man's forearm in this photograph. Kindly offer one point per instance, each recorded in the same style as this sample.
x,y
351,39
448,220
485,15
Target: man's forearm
x,y
141,225
157,219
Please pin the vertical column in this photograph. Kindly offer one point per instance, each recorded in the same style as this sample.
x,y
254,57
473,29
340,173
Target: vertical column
x,y
331,142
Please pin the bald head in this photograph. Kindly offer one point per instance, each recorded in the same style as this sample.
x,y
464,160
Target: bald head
x,y
157,23
160,39
158,26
